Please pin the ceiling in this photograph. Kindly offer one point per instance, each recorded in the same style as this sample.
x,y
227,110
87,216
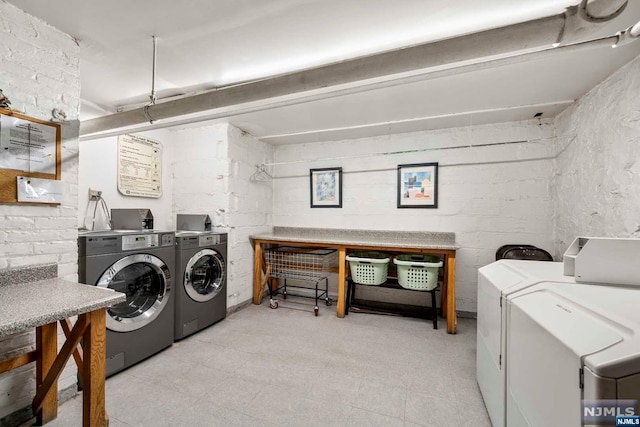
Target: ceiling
x,y
214,44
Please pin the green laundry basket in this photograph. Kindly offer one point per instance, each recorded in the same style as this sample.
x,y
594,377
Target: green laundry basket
x,y
418,271
368,267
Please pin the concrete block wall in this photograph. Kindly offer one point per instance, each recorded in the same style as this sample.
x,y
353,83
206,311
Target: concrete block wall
x,y
488,196
39,72
200,173
99,171
211,174
250,209
596,189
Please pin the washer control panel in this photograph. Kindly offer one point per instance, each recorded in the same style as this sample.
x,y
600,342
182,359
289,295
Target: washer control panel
x,y
139,241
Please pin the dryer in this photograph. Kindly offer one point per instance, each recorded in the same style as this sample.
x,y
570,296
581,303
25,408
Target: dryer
x,y
568,344
496,282
201,294
140,265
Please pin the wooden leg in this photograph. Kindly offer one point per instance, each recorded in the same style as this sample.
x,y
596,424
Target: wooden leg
x,y
452,319
434,311
443,293
342,281
47,349
94,413
257,273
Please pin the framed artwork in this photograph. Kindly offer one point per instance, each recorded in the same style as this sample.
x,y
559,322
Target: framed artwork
x,y
326,187
418,185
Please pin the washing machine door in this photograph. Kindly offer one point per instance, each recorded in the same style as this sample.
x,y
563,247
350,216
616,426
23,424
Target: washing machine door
x,y
144,279
204,275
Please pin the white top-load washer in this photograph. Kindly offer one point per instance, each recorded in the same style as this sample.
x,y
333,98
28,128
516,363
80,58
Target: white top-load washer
x,y
567,343
496,282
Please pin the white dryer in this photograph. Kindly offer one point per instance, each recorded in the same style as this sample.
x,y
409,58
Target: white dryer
x,y
496,282
567,343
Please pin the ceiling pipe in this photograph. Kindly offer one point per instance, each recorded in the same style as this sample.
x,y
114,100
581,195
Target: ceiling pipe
x,y
511,40
310,96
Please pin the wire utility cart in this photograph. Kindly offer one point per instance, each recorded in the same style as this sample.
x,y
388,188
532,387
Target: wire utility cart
x,y
302,264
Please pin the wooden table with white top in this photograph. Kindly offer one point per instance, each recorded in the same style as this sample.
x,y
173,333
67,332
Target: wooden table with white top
x,y
435,243
41,305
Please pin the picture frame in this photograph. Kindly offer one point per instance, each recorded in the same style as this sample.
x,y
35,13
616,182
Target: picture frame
x,y
418,185
326,187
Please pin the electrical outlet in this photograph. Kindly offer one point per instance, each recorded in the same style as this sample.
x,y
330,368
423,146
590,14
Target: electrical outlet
x,y
94,194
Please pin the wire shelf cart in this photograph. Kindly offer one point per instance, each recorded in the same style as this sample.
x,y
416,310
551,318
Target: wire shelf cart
x,y
300,263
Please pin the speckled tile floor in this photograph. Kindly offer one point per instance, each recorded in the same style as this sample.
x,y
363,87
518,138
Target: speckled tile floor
x,y
285,367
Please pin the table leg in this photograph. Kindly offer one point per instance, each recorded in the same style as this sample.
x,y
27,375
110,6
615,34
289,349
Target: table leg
x,y
94,413
257,273
342,281
452,319
47,349
443,293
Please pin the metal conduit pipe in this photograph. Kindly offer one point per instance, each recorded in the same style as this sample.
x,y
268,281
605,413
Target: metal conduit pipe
x,y
479,47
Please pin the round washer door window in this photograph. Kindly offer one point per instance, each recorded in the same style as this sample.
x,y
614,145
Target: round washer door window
x,y
145,280
204,275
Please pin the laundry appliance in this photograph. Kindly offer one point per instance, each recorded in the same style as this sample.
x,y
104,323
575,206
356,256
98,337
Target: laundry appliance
x,y
496,282
139,264
569,345
201,290
500,282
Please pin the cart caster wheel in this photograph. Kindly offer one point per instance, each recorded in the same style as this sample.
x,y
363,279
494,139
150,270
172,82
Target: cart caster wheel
x,y
273,305
315,311
328,302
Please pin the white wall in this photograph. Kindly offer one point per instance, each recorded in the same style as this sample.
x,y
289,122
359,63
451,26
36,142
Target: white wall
x,y
99,171
597,185
488,196
211,174
250,209
39,72
200,173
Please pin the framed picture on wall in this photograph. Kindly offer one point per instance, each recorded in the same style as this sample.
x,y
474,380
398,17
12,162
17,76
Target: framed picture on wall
x,y
418,185
326,187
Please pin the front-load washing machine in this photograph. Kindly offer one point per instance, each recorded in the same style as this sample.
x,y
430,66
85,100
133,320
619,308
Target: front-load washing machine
x,y
201,291
139,264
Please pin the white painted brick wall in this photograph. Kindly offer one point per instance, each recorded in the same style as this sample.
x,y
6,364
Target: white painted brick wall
x,y
200,171
488,196
250,210
39,72
597,184
211,172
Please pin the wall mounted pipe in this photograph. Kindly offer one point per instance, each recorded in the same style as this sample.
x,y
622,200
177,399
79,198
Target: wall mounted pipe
x,y
505,41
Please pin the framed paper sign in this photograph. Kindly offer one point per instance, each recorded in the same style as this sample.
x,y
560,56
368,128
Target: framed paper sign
x,y
326,187
418,185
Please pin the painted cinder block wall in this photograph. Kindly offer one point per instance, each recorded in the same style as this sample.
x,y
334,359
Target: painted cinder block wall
x,y
488,196
596,190
39,72
211,174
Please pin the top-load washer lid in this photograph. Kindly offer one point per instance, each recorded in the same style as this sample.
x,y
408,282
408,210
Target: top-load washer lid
x,y
549,333
513,275
500,279
617,309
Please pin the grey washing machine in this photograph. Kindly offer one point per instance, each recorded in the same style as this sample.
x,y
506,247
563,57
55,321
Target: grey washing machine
x,y
201,292
139,264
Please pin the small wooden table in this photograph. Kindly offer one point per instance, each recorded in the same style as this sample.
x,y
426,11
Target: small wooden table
x,y
347,240
42,305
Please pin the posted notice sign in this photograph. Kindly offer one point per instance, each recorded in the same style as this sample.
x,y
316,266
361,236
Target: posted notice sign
x,y
139,166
